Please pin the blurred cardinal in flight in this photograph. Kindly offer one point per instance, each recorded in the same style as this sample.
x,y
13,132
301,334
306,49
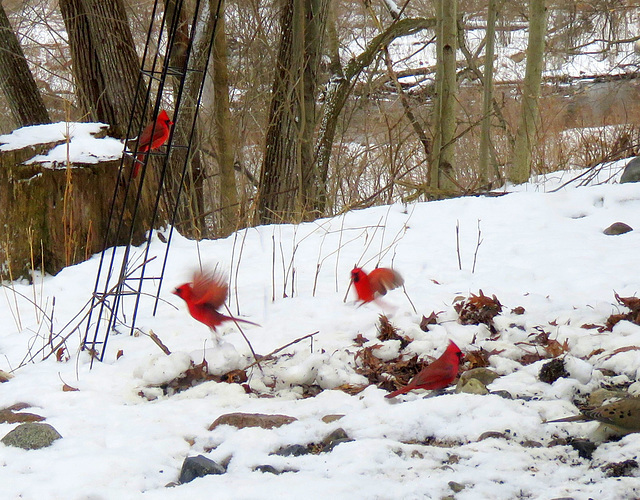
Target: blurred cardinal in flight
x,y
437,375
204,296
152,138
376,283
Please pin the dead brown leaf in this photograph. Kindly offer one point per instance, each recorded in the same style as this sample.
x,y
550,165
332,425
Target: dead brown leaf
x,y
386,331
595,352
360,340
633,304
194,375
383,373
622,349
432,319
555,348
235,377
530,358
479,358
61,356
478,309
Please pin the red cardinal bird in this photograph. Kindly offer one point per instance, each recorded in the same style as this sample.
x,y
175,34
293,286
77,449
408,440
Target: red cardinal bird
x,y
204,296
147,142
376,283
437,375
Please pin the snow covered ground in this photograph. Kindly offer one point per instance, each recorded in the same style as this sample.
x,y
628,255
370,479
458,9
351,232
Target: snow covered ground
x,y
542,251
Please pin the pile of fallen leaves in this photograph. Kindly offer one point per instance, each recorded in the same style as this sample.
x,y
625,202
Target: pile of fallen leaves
x,y
389,374
633,304
197,374
478,309
545,347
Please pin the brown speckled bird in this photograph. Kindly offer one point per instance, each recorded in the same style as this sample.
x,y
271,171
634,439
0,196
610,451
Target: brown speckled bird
x,y
621,416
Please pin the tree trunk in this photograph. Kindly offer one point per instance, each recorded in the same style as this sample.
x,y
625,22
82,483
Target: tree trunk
x,y
442,172
54,217
520,170
105,63
340,84
484,174
188,198
228,197
289,185
16,80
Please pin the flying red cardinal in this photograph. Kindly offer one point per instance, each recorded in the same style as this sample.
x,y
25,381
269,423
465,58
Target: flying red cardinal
x,y
437,375
204,296
147,142
376,283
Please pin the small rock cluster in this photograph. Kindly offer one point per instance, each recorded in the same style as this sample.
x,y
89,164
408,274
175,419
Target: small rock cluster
x,y
199,466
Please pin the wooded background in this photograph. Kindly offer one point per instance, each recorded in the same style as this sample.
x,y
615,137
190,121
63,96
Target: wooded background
x,y
311,109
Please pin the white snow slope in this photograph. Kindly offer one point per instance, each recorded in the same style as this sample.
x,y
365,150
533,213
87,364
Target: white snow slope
x,y
546,252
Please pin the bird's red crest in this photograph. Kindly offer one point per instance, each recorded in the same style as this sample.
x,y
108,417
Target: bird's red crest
x,y
164,117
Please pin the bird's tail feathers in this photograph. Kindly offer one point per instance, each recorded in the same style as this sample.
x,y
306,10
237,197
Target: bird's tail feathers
x,y
239,320
402,390
572,418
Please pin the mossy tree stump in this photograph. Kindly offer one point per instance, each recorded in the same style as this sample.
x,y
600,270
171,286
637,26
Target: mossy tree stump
x,y
54,216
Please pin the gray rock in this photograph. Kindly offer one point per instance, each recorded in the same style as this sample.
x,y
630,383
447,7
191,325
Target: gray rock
x,y
334,439
502,394
492,435
31,436
473,386
242,420
327,419
456,487
529,443
267,468
484,375
199,466
10,417
339,433
631,171
617,228
295,450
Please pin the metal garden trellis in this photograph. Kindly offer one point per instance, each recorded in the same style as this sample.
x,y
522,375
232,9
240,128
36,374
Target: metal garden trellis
x,y
113,284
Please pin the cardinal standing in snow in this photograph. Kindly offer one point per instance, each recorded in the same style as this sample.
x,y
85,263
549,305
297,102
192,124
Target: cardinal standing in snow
x,y
152,138
437,375
204,296
376,283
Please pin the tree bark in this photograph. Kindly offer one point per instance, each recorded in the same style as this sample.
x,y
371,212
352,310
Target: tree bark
x,y
484,174
442,171
105,63
228,197
190,61
16,80
520,170
340,83
289,187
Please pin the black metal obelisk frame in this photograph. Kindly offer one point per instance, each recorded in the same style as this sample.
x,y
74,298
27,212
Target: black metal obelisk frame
x,y
122,277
